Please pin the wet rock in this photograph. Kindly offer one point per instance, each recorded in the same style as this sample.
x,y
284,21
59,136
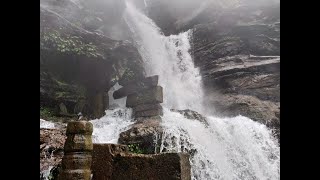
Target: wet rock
x,y
144,107
265,112
102,159
77,160
51,149
80,127
151,118
190,114
158,166
145,133
248,75
112,161
148,113
79,136
242,39
135,86
240,66
63,109
152,95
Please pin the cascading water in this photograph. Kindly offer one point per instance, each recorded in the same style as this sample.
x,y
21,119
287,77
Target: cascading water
x,y
116,120
108,128
169,58
230,148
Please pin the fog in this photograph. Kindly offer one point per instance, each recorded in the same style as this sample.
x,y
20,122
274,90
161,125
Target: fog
x,y
172,16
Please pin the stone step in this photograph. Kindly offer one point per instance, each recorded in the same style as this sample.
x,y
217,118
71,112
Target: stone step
x,y
102,159
142,120
143,107
148,113
153,95
136,86
112,161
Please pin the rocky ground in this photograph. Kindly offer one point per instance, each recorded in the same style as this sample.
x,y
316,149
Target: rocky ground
x,y
51,150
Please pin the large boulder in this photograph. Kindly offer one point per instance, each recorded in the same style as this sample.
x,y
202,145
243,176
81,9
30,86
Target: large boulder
x,y
145,134
193,115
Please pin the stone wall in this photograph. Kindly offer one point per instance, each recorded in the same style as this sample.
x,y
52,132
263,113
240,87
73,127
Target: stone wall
x,y
114,162
144,97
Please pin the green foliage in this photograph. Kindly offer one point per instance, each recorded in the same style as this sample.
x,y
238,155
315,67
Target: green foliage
x,y
135,148
60,83
67,44
46,112
128,75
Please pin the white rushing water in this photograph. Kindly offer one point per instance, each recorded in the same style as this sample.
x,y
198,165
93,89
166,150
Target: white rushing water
x,y
108,128
46,124
228,148
169,58
118,119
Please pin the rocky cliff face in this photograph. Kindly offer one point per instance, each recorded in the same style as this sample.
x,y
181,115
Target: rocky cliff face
x,y
78,66
237,48
240,65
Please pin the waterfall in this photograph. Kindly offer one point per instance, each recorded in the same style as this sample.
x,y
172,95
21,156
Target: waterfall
x,y
169,58
225,148
222,148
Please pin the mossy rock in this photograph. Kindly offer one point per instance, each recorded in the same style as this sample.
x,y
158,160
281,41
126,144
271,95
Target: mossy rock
x,y
53,40
77,66
137,149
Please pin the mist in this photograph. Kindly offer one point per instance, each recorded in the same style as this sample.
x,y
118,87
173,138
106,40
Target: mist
x,y
172,16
